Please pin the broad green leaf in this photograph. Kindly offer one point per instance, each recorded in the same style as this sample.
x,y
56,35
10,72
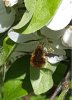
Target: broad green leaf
x,y
8,47
43,12
30,5
62,95
41,80
13,89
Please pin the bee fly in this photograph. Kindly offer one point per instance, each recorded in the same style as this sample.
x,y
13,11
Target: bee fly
x,y
38,57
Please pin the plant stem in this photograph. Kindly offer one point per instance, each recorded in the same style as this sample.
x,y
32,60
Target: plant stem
x,y
58,89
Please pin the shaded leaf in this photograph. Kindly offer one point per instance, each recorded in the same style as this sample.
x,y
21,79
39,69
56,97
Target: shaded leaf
x,y
59,73
6,18
18,69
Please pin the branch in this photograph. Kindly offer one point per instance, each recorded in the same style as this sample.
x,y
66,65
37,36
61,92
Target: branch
x,y
58,89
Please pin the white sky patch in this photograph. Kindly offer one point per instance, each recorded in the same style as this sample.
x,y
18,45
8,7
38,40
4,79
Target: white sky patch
x,y
62,17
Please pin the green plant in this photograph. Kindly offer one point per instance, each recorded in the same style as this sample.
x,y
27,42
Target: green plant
x,y
18,78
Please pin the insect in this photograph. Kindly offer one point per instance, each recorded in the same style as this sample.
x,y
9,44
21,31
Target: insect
x,y
38,57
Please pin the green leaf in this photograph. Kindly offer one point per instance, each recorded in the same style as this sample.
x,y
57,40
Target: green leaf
x,y
13,89
30,5
41,80
8,47
43,12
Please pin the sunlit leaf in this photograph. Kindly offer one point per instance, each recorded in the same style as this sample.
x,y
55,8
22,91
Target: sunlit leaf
x,y
41,80
13,89
43,12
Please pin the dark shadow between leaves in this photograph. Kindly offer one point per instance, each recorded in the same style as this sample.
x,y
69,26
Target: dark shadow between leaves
x,y
10,42
18,68
26,85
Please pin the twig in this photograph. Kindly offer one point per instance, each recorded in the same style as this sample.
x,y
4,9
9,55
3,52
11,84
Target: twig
x,y
58,89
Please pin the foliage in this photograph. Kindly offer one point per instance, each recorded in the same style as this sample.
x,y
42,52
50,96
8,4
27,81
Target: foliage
x,y
18,77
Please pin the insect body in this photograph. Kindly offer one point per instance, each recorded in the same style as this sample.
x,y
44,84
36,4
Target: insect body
x,y
38,57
